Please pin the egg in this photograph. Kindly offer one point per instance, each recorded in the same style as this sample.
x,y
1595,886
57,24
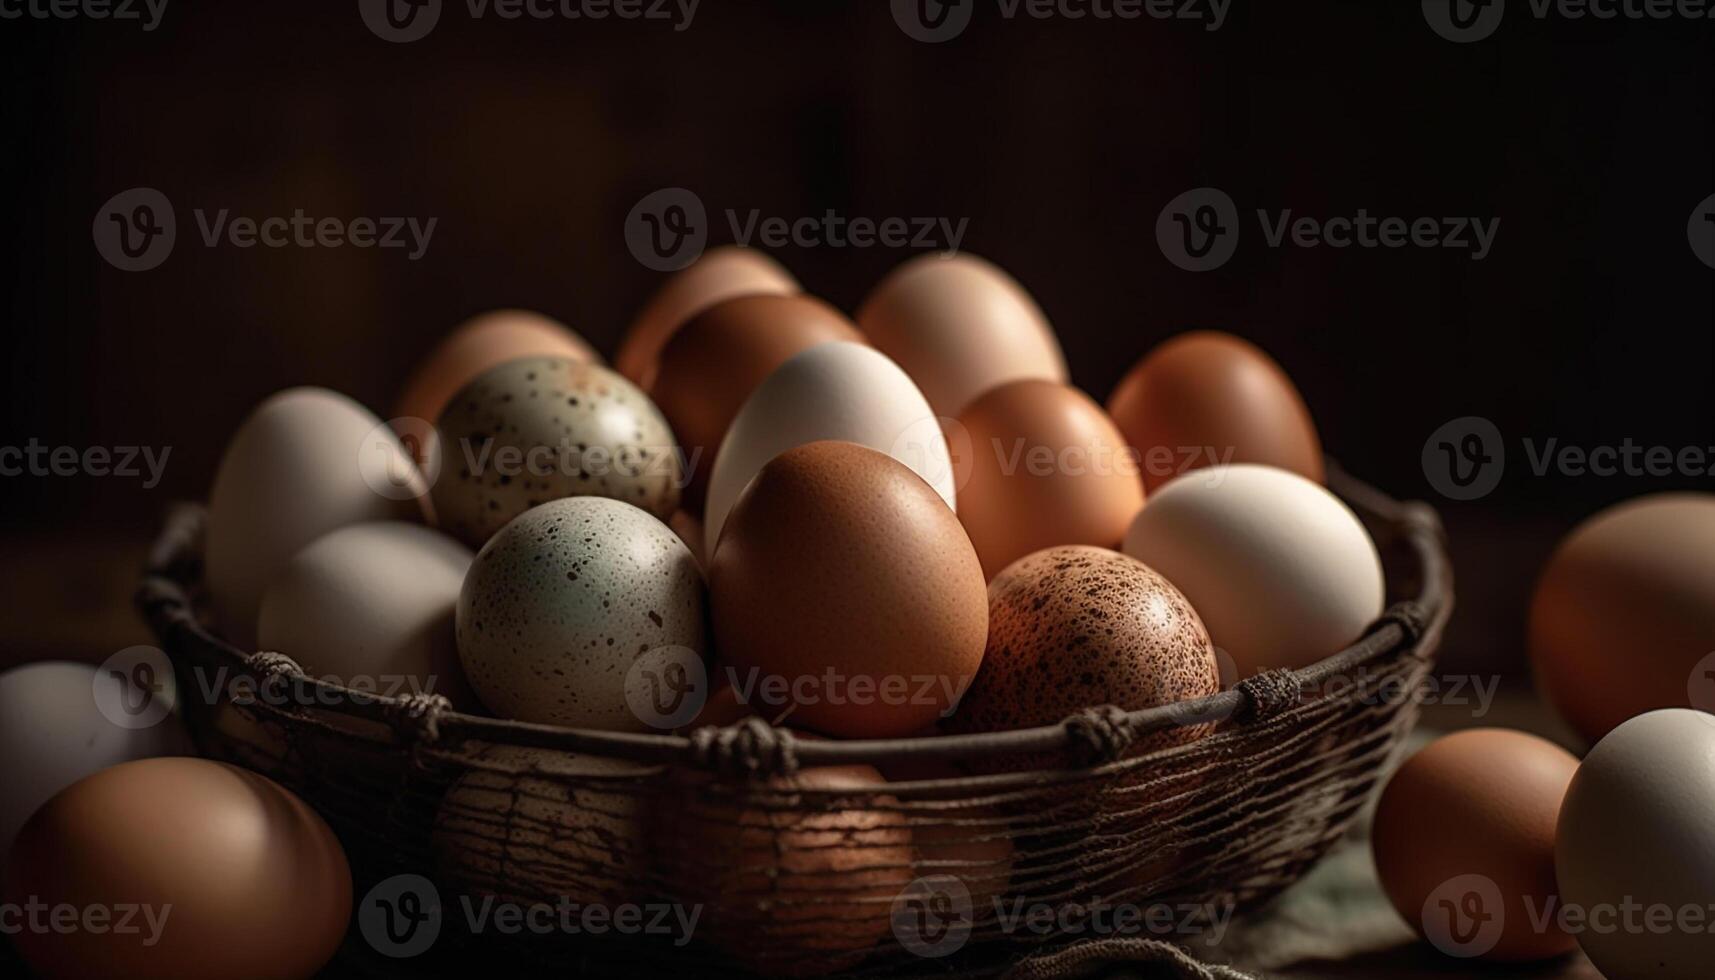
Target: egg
x,y
690,530
837,390
959,326
305,462
1464,843
712,364
569,826
479,345
53,733
371,606
229,875
542,428
1623,620
560,603
719,274
1633,851
792,888
1041,465
1280,570
1206,398
845,586
1077,627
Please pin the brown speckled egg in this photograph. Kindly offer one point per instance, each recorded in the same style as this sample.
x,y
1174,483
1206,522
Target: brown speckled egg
x,y
541,428
562,601
1077,627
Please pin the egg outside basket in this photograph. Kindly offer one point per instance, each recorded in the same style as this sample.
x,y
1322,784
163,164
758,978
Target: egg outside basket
x,y
610,842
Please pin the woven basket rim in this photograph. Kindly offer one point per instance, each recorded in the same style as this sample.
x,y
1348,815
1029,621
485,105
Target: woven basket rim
x,y
173,574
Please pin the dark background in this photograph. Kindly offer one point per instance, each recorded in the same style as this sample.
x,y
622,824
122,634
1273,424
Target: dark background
x,y
1059,140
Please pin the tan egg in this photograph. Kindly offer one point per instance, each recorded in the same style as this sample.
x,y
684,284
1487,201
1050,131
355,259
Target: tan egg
x,y
1043,465
1208,398
711,365
959,326
1624,616
798,881
543,428
1464,843
720,274
846,584
569,827
479,345
1077,627
228,874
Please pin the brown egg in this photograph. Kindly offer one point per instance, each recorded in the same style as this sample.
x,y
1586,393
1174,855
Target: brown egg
x,y
720,274
690,530
1077,627
226,874
792,886
1042,465
1207,398
712,364
1624,616
848,587
1464,843
959,326
481,343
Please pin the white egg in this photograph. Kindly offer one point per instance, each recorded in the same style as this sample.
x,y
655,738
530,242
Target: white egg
x,y
1280,570
561,603
838,390
305,462
53,733
1634,851
371,607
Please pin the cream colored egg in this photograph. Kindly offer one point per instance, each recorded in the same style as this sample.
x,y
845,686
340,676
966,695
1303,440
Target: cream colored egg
x,y
370,607
836,391
306,461
560,604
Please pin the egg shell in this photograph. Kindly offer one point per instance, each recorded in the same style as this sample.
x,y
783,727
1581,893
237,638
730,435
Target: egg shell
x,y
1280,570
306,462
371,606
1479,802
52,734
719,274
839,560
959,326
568,827
256,882
479,345
1634,831
797,878
712,364
542,428
1623,620
1207,397
838,391
1040,465
560,603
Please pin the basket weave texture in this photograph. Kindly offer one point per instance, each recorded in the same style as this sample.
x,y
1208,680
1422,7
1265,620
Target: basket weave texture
x,y
793,862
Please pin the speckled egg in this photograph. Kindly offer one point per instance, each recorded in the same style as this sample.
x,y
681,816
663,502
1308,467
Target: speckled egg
x,y
541,428
561,602
1077,627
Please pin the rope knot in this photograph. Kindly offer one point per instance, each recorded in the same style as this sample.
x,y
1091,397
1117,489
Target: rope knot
x,y
1270,692
270,664
750,748
1411,617
1100,735
417,717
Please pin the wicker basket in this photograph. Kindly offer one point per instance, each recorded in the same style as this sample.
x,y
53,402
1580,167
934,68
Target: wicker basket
x,y
790,868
